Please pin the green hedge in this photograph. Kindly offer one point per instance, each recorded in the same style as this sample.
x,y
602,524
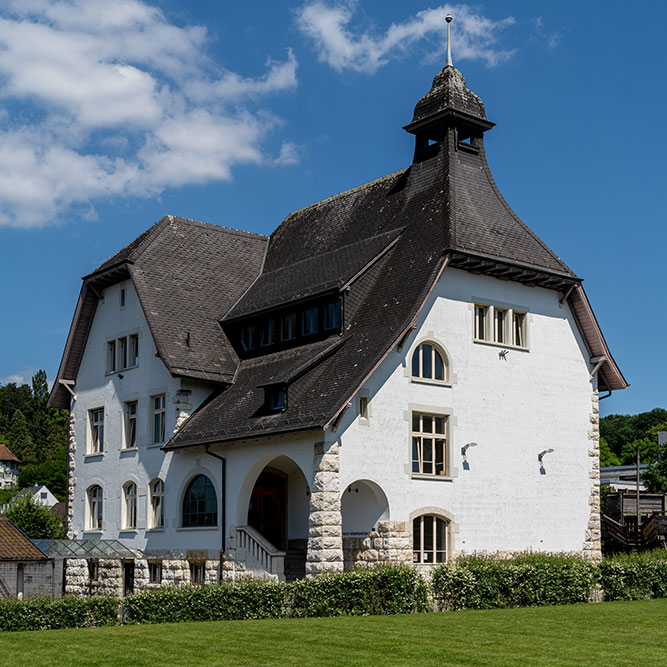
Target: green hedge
x,y
67,612
635,576
242,601
381,590
484,583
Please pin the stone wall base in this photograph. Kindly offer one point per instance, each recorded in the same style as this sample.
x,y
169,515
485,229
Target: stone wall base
x,y
389,544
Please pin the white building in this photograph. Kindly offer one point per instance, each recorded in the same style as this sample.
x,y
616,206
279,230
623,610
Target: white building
x,y
402,372
9,468
39,493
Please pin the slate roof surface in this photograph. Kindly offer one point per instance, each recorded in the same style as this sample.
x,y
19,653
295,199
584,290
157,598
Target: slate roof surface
x,y
6,454
14,545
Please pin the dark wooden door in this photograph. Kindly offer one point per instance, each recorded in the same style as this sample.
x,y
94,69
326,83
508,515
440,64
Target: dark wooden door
x,y
128,578
268,510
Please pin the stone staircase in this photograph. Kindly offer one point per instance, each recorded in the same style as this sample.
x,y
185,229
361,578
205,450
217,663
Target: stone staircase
x,y
295,560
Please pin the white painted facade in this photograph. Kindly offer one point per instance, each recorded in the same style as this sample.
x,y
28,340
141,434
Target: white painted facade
x,y
40,494
9,474
514,408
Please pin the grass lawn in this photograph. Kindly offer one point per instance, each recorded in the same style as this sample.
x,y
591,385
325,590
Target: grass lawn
x,y
613,633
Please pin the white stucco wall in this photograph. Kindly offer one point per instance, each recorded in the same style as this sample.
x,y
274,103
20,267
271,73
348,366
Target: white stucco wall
x,y
513,409
112,469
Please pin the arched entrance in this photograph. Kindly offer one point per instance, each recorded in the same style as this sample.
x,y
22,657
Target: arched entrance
x,y
268,507
363,505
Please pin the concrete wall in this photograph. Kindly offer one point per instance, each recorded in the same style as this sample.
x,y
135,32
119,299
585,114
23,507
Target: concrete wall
x,y
39,579
513,408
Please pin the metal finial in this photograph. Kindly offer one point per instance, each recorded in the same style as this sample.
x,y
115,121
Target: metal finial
x,y
448,18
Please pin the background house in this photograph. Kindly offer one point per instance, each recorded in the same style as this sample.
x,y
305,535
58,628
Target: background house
x,y
9,468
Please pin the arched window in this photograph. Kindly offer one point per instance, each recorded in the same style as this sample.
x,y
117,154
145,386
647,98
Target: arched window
x,y
429,539
200,504
95,508
157,504
130,506
428,363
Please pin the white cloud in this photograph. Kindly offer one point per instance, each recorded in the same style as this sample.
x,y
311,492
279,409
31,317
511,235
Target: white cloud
x,y
474,36
111,99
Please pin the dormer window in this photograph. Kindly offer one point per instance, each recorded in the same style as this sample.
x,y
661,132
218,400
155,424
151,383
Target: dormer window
x,y
332,315
268,333
288,327
276,398
249,337
309,321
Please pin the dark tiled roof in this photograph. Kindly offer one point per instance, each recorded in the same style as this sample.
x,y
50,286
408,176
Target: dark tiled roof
x,y
14,545
449,91
187,274
6,454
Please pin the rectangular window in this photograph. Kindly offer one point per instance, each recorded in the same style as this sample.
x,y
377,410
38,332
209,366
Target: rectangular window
x,y
309,321
363,407
332,315
499,322
93,569
159,413
288,327
519,329
268,333
122,297
133,359
276,398
130,424
96,431
480,322
249,337
428,444
157,504
122,353
111,356
196,573
155,572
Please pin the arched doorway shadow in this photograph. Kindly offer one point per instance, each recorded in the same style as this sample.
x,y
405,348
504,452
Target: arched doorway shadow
x,y
363,505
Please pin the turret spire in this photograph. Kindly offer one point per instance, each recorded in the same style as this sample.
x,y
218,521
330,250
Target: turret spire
x,y
448,18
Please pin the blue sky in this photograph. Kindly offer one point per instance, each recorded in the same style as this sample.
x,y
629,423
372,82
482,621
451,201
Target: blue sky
x,y
113,114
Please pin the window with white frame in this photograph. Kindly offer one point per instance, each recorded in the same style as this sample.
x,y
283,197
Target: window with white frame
x,y
429,539
428,363
111,356
130,506
501,325
429,451
130,425
157,504
95,509
96,431
122,353
159,414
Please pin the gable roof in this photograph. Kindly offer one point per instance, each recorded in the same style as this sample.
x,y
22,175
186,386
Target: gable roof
x,y
6,454
15,545
187,275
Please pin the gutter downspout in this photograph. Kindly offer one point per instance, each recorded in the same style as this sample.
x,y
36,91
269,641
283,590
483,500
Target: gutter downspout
x,y
223,503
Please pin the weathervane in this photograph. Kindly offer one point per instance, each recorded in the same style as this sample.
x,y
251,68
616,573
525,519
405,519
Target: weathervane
x,y
448,18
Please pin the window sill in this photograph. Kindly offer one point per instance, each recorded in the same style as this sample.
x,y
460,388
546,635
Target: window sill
x,y
439,383
98,455
129,449
155,530
120,370
507,346
128,531
93,531
434,478
187,529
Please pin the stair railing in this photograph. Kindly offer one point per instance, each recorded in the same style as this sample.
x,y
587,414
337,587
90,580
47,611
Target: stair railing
x,y
255,545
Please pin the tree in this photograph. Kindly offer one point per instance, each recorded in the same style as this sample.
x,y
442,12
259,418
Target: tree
x,y
36,520
20,440
40,390
607,457
648,451
655,478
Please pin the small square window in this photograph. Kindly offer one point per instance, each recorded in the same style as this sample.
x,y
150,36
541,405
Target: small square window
x,y
155,572
196,573
276,398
